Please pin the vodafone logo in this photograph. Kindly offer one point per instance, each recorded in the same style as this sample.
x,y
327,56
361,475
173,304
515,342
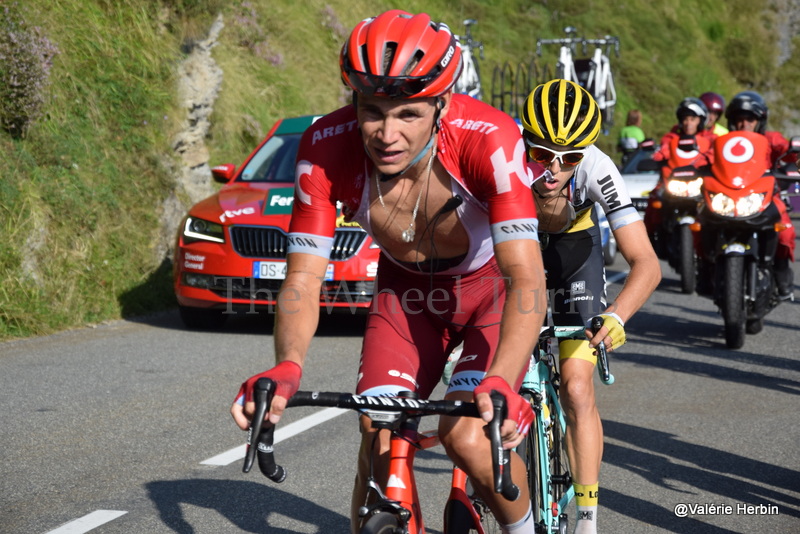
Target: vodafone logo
x,y
738,150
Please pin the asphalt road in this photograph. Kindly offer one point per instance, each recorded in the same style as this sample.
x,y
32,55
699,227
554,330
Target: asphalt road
x,y
110,426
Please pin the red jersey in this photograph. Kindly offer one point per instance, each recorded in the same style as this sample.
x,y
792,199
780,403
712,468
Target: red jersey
x,y
479,146
703,156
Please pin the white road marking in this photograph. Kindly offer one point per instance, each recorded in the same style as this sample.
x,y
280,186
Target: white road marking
x,y
236,454
88,522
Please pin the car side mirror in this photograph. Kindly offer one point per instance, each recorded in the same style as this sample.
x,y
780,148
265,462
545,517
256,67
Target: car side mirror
x,y
223,173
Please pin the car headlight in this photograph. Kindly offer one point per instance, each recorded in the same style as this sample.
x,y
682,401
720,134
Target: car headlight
x,y
750,204
682,188
202,230
723,205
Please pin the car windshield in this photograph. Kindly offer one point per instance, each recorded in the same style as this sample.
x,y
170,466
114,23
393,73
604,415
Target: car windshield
x,y
631,166
274,162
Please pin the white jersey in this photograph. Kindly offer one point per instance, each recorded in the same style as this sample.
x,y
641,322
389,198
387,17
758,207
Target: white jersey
x,y
597,180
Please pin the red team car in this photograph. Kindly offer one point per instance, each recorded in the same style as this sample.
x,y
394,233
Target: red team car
x,y
231,247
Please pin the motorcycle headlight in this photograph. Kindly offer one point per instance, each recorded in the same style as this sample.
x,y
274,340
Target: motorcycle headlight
x,y
680,188
202,230
750,204
723,205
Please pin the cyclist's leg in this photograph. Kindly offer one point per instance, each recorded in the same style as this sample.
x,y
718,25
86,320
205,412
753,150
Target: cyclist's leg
x,y
580,295
465,438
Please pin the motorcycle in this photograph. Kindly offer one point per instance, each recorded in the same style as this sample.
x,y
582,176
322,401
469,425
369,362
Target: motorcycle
x,y
738,226
677,202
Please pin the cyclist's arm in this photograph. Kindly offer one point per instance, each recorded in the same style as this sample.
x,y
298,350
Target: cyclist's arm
x,y
645,271
524,309
296,318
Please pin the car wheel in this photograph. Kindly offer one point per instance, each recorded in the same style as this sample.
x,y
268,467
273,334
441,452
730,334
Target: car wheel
x,y
610,250
202,319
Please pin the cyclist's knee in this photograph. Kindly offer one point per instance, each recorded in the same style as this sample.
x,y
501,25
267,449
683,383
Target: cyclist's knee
x,y
463,438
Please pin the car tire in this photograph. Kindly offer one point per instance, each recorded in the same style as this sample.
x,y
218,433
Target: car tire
x,y
202,319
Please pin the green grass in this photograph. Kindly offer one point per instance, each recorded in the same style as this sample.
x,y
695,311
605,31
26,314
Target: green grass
x,y
81,195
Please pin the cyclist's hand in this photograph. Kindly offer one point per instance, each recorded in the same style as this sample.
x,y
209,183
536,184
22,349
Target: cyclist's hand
x,y
520,414
286,376
612,335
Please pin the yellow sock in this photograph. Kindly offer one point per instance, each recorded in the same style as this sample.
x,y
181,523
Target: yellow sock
x,y
586,495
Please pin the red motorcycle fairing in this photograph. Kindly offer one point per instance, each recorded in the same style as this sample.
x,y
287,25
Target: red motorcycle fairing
x,y
740,158
740,168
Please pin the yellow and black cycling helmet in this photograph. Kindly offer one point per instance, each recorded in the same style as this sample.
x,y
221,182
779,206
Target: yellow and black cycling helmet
x,y
562,112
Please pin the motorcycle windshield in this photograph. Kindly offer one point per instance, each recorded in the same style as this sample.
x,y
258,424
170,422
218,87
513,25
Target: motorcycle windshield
x,y
740,158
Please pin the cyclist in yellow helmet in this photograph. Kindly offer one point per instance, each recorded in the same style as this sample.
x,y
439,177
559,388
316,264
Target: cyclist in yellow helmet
x,y
561,122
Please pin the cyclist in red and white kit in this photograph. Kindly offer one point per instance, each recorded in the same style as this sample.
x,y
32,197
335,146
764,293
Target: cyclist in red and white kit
x,y
440,183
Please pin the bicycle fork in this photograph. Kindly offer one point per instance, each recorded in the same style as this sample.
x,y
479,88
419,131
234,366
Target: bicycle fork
x,y
401,498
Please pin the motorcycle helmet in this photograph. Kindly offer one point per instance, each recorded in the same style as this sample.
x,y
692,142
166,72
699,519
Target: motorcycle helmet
x,y
747,102
400,55
562,112
713,102
692,106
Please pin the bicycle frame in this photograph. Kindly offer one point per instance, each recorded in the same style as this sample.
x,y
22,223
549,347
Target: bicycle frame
x,y
541,383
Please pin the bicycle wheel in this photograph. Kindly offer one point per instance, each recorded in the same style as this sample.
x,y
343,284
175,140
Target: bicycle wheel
x,y
560,478
459,520
488,520
381,523
530,451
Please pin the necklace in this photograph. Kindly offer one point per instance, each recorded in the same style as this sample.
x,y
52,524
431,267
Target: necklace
x,y
409,233
542,207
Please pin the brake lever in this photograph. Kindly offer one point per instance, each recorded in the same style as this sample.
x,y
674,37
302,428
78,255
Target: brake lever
x,y
602,356
260,439
501,458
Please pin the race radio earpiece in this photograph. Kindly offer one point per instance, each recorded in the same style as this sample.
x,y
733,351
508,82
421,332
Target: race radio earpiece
x,y
439,106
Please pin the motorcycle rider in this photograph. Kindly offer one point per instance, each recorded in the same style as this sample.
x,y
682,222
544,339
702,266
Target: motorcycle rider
x,y
692,115
561,123
748,112
716,107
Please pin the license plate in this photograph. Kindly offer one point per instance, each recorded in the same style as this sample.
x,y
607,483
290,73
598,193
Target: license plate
x,y
276,270
269,270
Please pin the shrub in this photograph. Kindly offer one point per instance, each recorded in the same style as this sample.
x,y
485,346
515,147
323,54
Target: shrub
x,y
25,59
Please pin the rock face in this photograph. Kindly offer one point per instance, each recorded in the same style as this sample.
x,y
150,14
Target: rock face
x,y
199,83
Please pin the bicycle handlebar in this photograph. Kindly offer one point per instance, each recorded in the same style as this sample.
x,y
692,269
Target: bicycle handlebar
x,y
260,439
602,357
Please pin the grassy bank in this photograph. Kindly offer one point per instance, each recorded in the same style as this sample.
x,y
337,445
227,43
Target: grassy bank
x,y
82,192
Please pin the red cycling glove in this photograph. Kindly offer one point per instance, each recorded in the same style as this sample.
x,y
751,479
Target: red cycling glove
x,y
286,376
518,408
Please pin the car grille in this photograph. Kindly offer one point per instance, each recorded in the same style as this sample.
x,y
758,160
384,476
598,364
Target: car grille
x,y
257,290
639,203
261,242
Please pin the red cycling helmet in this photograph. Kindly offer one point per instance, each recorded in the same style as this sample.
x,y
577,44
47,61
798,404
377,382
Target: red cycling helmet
x,y
400,55
714,102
